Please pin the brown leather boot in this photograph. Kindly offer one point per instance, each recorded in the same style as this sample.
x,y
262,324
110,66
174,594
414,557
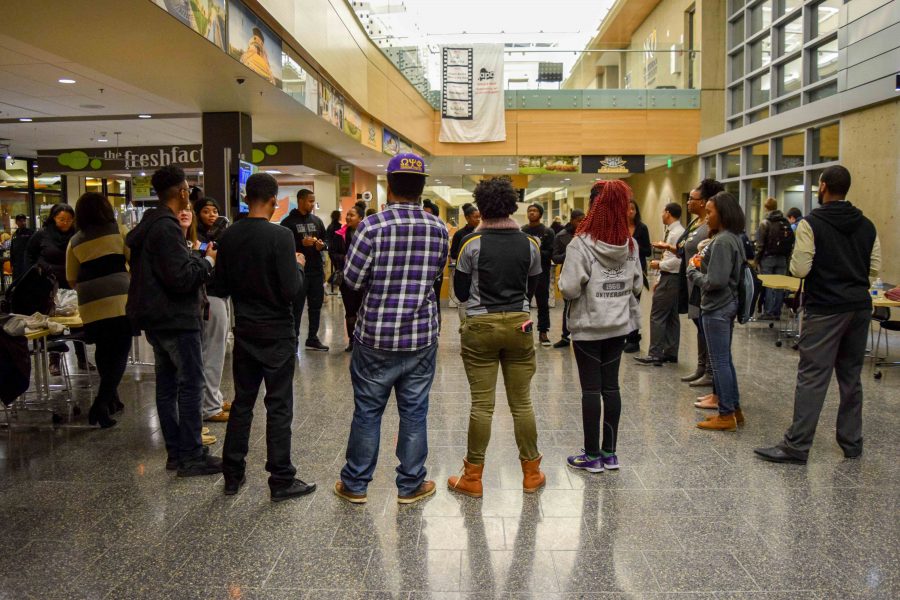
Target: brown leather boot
x,y
719,423
532,479
470,481
739,417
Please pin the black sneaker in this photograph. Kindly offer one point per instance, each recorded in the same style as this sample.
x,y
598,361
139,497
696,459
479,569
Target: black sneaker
x,y
171,464
205,465
296,489
315,344
232,486
650,359
562,343
631,347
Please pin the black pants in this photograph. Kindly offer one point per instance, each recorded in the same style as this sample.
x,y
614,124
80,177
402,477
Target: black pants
x,y
598,370
352,303
565,325
254,361
702,351
829,344
112,338
312,294
542,295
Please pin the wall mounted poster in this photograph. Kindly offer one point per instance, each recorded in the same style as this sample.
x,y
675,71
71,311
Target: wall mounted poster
x,y
206,17
331,105
372,133
612,164
543,165
252,43
390,143
472,103
352,123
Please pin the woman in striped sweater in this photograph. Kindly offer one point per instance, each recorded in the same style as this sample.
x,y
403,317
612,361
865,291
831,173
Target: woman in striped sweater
x,y
97,268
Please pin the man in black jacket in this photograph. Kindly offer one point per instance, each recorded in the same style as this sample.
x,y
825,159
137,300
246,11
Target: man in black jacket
x,y
18,244
309,239
836,252
560,242
544,235
164,301
264,338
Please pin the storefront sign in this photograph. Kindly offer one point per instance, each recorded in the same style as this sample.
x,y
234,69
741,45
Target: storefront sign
x,y
612,164
134,158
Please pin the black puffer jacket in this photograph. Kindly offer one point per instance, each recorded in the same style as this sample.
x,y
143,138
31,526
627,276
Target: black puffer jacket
x,y
166,276
47,248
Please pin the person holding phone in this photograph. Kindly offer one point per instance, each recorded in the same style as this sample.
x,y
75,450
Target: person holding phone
x,y
497,272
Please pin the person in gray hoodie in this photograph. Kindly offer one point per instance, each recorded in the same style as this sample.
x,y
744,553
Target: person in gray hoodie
x,y
716,270
601,280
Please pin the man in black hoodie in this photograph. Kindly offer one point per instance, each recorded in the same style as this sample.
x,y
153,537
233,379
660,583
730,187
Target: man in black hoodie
x,y
544,236
836,251
18,246
309,238
164,301
560,243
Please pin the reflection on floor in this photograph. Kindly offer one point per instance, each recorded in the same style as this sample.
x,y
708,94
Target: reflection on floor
x,y
691,514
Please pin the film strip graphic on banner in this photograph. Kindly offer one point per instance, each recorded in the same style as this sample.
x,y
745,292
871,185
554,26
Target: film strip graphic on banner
x,y
458,99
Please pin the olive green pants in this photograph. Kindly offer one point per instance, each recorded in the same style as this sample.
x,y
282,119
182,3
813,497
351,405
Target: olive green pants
x,y
489,341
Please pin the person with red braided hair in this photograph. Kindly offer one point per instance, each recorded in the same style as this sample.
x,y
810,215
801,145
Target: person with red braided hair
x,y
601,279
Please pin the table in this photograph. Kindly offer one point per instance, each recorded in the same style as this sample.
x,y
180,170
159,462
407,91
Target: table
x,y
882,302
787,284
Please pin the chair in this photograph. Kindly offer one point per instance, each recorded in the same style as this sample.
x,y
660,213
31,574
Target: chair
x,y
882,316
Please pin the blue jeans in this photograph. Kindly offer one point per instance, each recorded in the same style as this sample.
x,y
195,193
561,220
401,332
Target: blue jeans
x,y
179,383
718,326
773,300
374,373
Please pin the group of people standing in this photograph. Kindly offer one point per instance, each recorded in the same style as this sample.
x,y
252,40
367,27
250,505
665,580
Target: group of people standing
x,y
170,278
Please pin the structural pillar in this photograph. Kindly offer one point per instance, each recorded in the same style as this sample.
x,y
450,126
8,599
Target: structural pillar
x,y
227,140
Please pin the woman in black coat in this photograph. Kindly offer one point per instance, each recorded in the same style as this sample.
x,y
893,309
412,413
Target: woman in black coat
x,y
342,239
641,235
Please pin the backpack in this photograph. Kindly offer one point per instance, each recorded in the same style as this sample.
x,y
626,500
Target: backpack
x,y
33,292
779,238
749,287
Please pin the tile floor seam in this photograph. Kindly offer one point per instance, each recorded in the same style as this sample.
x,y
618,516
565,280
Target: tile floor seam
x,y
652,570
272,569
744,569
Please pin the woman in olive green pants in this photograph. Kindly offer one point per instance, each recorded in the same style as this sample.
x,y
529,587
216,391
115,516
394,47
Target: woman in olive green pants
x,y
497,332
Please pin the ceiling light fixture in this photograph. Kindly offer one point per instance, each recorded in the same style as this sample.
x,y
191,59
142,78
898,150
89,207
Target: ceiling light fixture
x,y
102,140
66,80
145,116
25,119
273,172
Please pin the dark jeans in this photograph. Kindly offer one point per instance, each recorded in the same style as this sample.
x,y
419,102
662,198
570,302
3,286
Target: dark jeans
x,y
374,374
773,299
312,294
702,350
718,326
112,338
179,383
829,343
598,371
542,295
256,360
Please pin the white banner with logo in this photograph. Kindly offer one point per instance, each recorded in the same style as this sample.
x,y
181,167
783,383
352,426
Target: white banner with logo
x,y
472,103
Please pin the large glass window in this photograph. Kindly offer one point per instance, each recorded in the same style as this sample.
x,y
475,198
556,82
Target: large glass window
x,y
737,99
825,143
822,92
786,6
789,191
733,163
760,16
789,77
789,151
759,89
737,65
759,115
825,60
760,52
790,36
759,192
825,17
789,104
759,158
737,31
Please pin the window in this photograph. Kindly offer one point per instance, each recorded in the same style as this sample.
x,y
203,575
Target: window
x,y
825,143
790,36
709,165
737,99
759,115
789,152
825,17
822,92
737,65
733,163
759,89
759,158
789,191
789,77
736,5
760,53
760,16
824,61
789,104
737,31
786,6
759,192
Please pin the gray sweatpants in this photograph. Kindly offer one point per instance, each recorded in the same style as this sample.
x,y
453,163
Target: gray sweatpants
x,y
213,337
665,327
829,343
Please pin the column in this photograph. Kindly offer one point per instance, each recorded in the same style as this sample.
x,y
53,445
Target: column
x,y
227,139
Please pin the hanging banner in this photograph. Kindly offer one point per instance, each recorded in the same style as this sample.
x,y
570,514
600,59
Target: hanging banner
x,y
252,43
472,103
612,164
208,20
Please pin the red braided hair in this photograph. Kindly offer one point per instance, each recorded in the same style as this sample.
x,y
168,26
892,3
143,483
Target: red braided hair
x,y
607,219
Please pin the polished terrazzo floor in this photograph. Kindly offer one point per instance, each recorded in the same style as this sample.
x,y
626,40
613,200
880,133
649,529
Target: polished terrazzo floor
x,y
691,514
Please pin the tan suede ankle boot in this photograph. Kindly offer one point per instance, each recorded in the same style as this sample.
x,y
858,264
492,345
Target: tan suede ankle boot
x,y
469,483
533,479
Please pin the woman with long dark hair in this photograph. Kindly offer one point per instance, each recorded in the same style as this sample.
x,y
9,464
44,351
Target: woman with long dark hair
x,y
602,278
716,270
96,267
637,229
341,242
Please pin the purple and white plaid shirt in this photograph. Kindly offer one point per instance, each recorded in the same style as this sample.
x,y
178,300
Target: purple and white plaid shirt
x,y
395,257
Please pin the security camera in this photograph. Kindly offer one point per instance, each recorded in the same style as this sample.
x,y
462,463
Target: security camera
x,y
240,80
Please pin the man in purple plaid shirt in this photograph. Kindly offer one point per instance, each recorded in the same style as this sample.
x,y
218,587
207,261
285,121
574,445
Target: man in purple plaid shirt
x,y
395,257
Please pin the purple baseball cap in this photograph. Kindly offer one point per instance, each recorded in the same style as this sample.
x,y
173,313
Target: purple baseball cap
x,y
407,163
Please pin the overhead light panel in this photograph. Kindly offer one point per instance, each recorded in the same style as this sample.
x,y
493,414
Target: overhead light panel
x,y
145,116
67,80
25,119
273,172
102,140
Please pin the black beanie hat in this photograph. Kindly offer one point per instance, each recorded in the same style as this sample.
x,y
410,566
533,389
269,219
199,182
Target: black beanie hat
x,y
539,207
203,202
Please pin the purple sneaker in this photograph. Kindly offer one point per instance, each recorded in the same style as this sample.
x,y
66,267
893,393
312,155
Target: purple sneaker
x,y
586,463
610,463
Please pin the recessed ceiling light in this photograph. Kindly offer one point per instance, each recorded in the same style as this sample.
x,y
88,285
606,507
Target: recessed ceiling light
x,y
143,174
102,140
468,165
145,116
25,119
199,172
379,165
274,172
65,80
